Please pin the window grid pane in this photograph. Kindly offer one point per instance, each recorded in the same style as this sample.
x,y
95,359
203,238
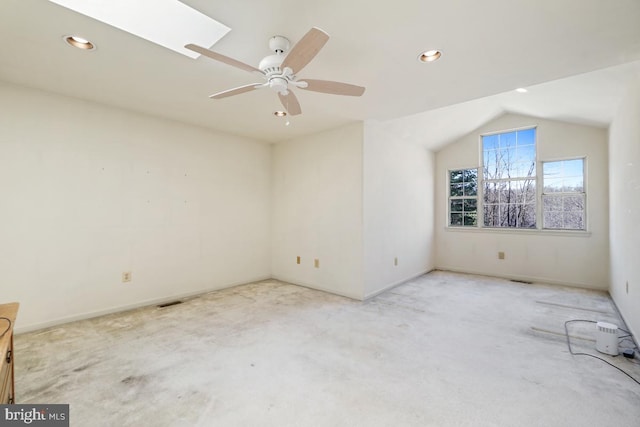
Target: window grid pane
x,y
509,171
509,187
463,197
563,197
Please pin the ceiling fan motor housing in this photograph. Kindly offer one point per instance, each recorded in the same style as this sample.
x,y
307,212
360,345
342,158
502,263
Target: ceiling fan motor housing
x,y
270,65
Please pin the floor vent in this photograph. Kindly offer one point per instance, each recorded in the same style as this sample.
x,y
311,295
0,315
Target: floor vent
x,y
522,281
169,304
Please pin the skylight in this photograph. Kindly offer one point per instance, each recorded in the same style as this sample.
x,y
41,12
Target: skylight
x,y
169,23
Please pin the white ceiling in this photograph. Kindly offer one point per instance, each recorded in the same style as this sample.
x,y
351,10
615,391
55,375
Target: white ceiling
x,y
590,99
490,47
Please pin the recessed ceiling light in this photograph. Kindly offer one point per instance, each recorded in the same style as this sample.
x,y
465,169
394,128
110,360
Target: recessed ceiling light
x,y
168,23
430,55
79,42
279,113
521,90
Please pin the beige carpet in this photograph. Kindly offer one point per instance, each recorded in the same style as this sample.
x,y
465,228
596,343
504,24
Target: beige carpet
x,y
444,349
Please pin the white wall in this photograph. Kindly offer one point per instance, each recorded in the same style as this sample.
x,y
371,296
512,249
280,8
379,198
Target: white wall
x,y
317,211
624,207
398,208
88,192
577,259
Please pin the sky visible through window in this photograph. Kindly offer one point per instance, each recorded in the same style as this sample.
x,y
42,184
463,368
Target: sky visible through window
x,y
509,171
565,175
510,190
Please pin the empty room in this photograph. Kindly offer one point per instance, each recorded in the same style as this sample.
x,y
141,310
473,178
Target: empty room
x,y
300,213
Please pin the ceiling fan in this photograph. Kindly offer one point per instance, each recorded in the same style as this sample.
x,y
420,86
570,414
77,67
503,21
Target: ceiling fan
x,y
280,70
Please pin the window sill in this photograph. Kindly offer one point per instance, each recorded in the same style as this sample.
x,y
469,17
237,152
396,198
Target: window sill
x,y
541,232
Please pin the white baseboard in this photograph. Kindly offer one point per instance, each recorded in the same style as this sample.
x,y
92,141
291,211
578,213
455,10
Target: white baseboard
x,y
533,279
634,337
393,285
126,307
318,288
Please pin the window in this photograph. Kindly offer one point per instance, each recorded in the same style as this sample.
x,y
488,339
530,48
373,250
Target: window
x,y
509,179
563,196
463,197
513,189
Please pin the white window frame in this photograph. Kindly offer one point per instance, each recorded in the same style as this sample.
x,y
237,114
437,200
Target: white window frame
x,y
479,227
584,194
476,198
481,180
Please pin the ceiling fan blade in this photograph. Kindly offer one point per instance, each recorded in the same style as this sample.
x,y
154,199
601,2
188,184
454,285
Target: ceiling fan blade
x,y
290,103
336,88
219,57
237,90
305,50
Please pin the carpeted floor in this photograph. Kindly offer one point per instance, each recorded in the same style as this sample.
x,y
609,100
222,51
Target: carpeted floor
x,y
444,349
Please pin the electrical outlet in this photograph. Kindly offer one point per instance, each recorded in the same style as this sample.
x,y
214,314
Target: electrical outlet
x,y
316,263
395,261
126,276
500,255
298,260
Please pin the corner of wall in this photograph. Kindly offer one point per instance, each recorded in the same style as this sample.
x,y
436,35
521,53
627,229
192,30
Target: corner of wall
x,y
398,196
624,208
317,211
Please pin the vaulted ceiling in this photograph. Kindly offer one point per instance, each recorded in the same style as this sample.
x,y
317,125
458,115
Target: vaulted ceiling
x,y
489,47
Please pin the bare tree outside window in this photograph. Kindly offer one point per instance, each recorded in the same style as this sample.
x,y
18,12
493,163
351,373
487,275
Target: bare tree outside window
x,y
563,195
509,179
507,184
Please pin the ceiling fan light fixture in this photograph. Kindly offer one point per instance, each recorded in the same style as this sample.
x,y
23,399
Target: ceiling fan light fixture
x,y
279,113
79,42
430,55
